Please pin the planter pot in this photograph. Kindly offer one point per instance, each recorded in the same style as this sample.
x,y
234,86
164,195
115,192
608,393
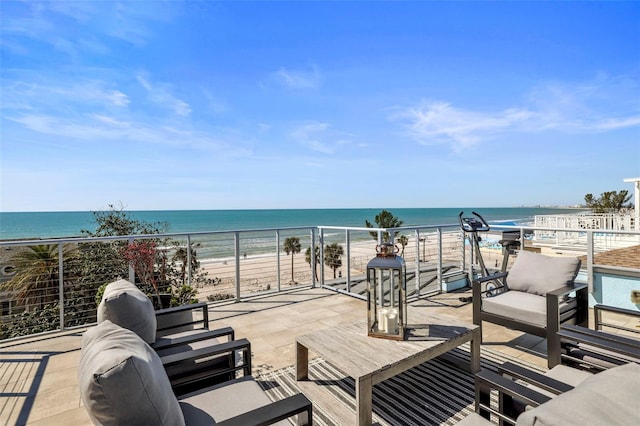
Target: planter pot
x,y
165,301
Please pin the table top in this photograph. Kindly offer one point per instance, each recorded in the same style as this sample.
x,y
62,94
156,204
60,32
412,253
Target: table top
x,y
348,347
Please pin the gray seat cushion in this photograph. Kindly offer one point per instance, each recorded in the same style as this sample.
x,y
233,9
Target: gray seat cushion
x,y
122,380
526,307
126,305
564,374
607,398
216,403
538,274
568,375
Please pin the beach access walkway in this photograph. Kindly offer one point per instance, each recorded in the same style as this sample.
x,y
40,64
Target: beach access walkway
x,y
38,375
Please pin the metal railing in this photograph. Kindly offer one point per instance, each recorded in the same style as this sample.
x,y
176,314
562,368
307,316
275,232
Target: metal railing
x,y
52,284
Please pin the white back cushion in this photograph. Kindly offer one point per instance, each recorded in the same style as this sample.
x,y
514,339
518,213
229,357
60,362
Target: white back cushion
x,y
126,305
122,380
539,274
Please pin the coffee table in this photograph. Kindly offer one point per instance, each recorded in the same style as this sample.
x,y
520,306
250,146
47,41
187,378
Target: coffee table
x,y
370,360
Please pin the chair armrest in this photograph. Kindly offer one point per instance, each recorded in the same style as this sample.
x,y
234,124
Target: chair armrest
x,y
597,313
600,339
495,276
274,412
168,342
566,290
190,307
477,283
534,378
508,391
208,351
195,374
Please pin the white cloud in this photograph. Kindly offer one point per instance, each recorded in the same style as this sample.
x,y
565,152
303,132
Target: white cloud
x,y
320,137
297,79
31,95
438,122
161,96
600,105
310,134
618,123
98,129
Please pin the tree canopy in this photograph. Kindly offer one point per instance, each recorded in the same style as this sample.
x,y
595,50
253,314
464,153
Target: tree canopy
x,y
384,219
608,202
333,256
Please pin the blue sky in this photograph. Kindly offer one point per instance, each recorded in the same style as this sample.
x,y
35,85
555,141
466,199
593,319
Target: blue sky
x,y
230,105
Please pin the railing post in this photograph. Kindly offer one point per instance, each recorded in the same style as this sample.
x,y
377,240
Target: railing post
x,y
278,260
470,275
189,260
61,285
439,230
321,258
590,260
236,249
312,257
417,236
132,272
347,240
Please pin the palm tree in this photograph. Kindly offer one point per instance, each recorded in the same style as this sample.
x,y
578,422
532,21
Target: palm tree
x,y
403,240
36,281
292,245
384,219
332,256
307,257
182,255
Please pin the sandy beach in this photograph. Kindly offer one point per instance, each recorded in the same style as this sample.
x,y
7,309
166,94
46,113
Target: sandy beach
x,y
261,272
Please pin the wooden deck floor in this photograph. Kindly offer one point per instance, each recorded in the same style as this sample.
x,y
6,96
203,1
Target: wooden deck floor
x,y
38,376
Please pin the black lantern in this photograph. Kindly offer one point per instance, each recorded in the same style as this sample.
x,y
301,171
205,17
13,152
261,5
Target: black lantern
x,y
386,294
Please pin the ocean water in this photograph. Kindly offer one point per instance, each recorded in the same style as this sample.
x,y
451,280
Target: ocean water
x,y
43,225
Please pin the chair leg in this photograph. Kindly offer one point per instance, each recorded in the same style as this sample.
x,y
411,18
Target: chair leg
x,y
482,397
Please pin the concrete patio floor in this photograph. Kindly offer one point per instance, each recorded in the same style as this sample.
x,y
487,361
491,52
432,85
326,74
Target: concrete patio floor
x,y
38,375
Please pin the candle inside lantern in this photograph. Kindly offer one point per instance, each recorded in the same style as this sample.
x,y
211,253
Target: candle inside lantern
x,y
382,319
391,321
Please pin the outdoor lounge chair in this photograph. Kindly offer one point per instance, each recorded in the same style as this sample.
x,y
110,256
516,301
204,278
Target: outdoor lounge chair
x,y
536,296
122,381
596,350
172,331
527,398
